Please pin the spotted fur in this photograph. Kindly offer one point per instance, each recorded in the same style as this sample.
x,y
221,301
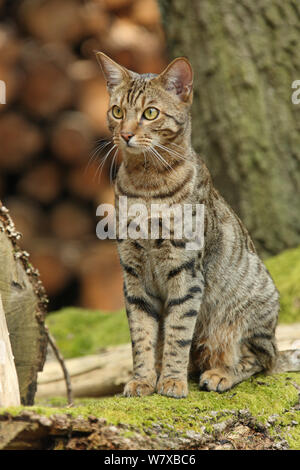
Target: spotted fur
x,y
211,311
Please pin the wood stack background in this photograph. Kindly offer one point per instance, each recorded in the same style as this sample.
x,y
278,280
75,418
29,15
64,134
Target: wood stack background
x,y
49,127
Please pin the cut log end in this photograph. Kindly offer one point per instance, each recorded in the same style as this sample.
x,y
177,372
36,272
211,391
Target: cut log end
x,y
24,302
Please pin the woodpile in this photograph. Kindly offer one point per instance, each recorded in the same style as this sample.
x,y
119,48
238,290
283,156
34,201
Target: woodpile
x,y
51,124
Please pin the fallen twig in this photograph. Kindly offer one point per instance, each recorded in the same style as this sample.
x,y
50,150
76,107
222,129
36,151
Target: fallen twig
x,y
63,366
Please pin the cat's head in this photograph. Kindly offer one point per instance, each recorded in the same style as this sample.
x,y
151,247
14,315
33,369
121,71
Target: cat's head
x,y
148,111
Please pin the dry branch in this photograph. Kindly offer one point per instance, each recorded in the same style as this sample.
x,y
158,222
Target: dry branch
x,y
63,367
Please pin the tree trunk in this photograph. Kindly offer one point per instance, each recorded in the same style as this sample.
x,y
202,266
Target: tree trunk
x,y
245,57
24,304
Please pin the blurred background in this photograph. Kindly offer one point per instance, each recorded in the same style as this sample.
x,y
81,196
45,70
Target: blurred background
x,y
55,113
245,125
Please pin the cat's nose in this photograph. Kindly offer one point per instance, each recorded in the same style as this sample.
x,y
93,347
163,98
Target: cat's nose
x,y
127,136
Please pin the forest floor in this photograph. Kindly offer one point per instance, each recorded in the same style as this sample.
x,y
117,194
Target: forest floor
x,y
261,413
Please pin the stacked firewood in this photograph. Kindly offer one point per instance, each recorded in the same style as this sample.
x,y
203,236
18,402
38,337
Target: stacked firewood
x,y
53,119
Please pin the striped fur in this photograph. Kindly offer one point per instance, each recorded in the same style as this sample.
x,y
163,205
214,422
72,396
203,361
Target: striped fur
x,y
212,311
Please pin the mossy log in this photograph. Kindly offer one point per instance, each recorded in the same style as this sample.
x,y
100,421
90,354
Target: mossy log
x,y
31,431
260,413
24,303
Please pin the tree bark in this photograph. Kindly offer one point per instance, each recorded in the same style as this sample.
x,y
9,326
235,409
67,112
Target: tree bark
x,y
24,304
245,57
31,431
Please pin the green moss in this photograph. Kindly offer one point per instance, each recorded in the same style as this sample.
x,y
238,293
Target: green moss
x,y
79,332
263,396
285,270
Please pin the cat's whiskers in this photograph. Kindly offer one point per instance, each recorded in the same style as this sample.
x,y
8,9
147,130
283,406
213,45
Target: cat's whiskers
x,y
156,157
101,166
153,158
178,146
112,166
95,154
161,158
101,140
173,153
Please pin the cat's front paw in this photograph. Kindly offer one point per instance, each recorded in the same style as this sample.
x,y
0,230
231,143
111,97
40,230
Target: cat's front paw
x,y
172,387
216,380
139,387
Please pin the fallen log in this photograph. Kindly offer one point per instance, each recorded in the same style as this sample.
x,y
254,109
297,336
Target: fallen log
x,y
91,376
106,373
24,304
288,336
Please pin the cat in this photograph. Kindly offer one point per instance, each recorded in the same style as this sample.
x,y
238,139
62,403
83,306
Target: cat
x,y
211,311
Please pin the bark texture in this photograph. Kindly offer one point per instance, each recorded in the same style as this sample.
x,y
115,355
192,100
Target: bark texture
x,y
24,304
30,431
245,56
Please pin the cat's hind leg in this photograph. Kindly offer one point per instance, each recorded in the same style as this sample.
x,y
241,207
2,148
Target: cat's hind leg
x,y
257,353
220,379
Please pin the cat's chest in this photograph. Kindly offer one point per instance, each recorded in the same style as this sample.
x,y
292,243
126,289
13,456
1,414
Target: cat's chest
x,y
152,261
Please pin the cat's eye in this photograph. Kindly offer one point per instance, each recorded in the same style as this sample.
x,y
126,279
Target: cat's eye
x,y
117,112
150,113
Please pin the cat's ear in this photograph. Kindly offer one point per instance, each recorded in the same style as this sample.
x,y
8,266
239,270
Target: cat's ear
x,y
113,73
178,78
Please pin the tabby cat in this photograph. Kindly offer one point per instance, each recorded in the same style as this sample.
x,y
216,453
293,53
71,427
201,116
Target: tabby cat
x,y
214,310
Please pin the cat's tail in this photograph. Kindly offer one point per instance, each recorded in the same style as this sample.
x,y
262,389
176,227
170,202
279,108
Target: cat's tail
x,y
287,361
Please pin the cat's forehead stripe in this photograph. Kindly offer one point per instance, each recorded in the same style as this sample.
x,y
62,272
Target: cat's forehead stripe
x,y
135,90
137,87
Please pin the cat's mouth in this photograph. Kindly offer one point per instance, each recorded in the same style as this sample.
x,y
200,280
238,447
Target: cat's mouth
x,y
132,146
